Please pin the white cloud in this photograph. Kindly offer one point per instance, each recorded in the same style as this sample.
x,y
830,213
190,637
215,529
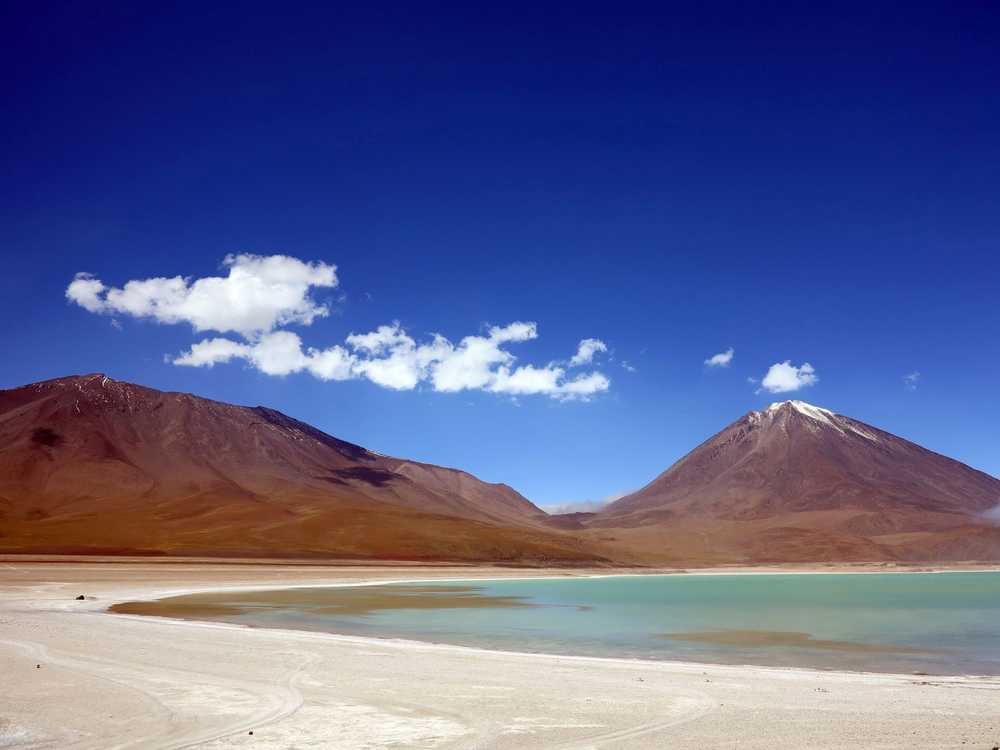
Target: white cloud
x,y
910,381
86,291
382,339
583,386
210,352
627,366
335,363
262,294
259,294
783,377
514,332
586,350
279,353
722,359
526,379
391,358
471,364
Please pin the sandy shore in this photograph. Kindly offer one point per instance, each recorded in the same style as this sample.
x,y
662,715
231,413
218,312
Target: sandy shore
x,y
74,676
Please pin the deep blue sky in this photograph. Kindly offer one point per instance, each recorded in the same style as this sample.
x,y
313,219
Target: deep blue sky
x,y
797,184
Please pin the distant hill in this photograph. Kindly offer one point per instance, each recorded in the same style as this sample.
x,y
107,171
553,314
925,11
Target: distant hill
x,y
91,464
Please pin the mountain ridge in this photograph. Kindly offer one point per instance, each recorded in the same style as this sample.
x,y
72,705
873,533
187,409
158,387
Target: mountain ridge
x,y
89,464
77,449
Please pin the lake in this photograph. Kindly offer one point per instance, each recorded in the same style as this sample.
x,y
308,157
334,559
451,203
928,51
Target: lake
x,y
938,623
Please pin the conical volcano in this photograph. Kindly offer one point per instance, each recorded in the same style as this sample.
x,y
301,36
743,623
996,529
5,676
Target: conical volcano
x,y
798,482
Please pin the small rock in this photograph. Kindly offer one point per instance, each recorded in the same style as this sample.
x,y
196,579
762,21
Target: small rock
x,y
80,598
251,731
38,666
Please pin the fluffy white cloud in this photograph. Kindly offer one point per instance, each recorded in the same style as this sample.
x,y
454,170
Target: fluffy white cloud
x,y
391,358
382,339
514,332
910,381
335,363
210,352
278,353
259,294
586,350
783,377
86,291
470,365
526,380
583,386
722,359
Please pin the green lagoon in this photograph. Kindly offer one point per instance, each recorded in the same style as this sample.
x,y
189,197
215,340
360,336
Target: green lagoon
x,y
936,623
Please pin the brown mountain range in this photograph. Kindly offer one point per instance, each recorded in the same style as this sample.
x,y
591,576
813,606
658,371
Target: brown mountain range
x,y
796,482
93,465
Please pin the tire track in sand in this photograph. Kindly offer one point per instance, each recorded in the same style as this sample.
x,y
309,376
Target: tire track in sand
x,y
702,705
284,698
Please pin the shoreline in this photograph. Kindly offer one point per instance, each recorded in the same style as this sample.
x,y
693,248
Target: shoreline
x,y
43,607
157,596
940,566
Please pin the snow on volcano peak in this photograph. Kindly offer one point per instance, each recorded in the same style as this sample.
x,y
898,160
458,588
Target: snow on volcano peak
x,y
841,424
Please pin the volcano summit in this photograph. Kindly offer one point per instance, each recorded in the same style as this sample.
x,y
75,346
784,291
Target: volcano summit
x,y
796,482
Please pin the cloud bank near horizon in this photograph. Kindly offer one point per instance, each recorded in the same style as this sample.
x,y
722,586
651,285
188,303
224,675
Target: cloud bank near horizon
x,y
260,295
583,506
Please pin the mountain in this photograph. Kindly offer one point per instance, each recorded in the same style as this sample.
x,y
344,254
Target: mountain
x,y
796,482
93,465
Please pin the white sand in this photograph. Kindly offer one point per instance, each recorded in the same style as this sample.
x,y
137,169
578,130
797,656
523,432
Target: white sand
x,y
110,681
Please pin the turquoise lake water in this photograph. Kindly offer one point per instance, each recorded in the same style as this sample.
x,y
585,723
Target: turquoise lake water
x,y
940,623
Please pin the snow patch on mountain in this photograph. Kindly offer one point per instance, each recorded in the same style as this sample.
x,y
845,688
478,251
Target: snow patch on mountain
x,y
823,416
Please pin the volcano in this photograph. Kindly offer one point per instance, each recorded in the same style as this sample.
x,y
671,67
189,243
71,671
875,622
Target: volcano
x,y
94,465
797,482
91,465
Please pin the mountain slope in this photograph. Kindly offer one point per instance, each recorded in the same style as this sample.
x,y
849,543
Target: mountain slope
x,y
797,482
92,464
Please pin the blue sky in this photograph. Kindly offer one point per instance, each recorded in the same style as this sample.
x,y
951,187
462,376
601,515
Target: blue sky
x,y
672,182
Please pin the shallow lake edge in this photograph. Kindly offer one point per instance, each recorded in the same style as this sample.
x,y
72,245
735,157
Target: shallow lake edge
x,y
685,664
